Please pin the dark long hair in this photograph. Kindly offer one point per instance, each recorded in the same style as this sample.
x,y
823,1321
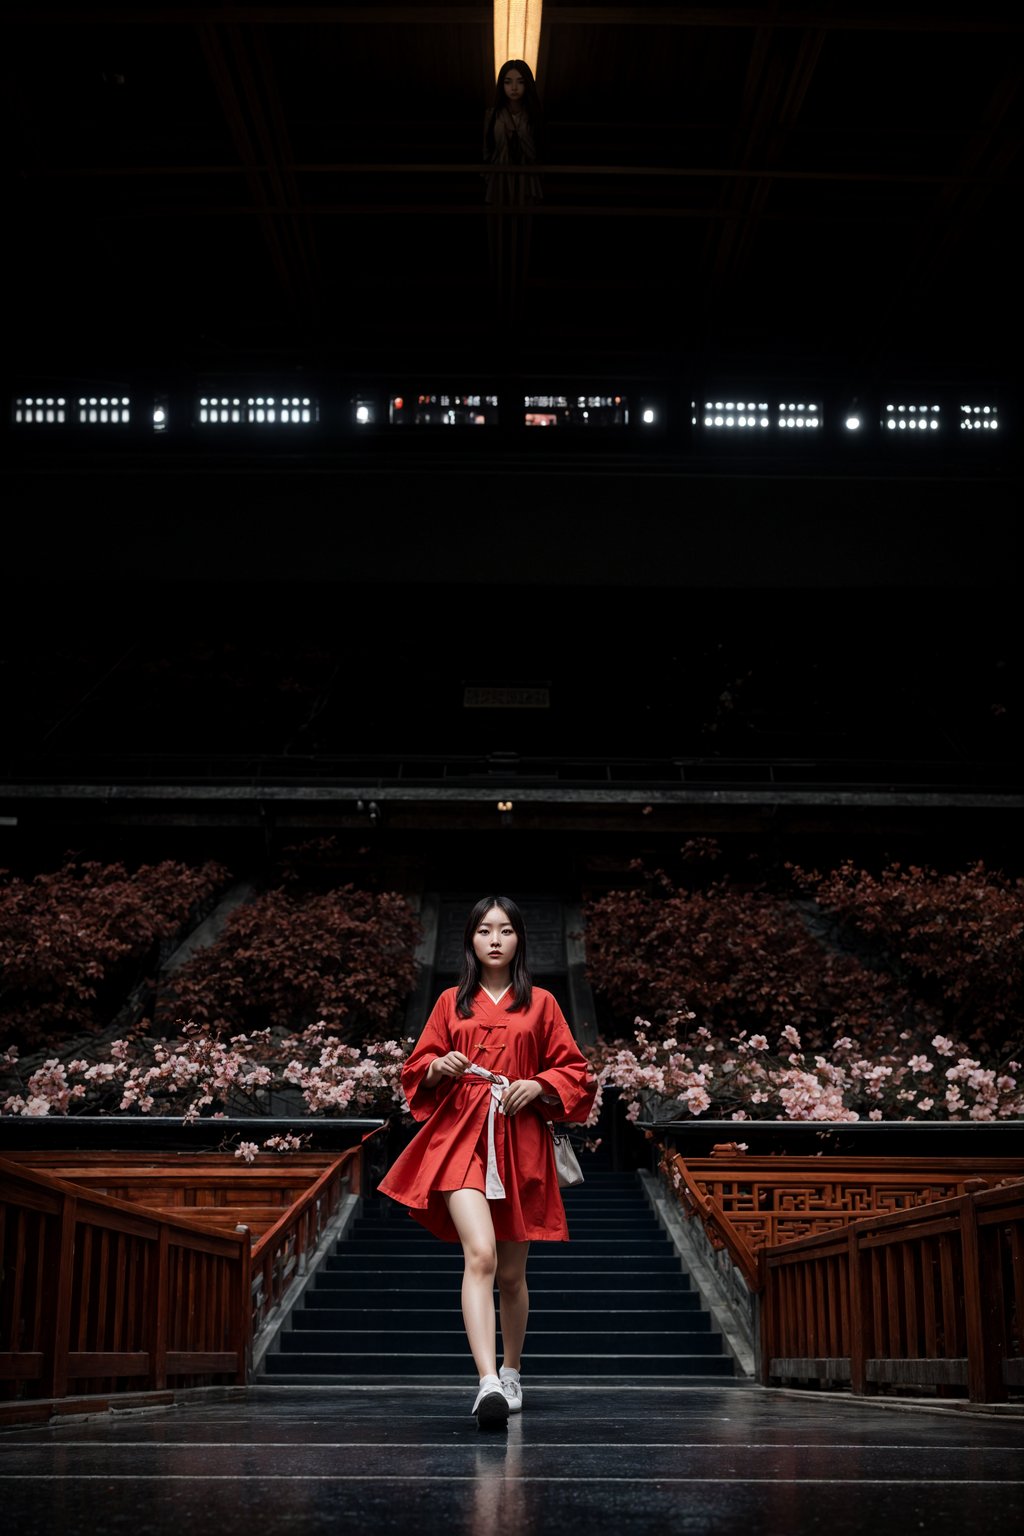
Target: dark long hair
x,y
531,103
520,980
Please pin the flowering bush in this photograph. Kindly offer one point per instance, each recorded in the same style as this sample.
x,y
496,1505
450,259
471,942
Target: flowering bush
x,y
202,1073
957,938
69,936
745,959
745,1077
289,957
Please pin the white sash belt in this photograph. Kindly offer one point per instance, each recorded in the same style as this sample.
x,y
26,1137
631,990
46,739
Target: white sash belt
x,y
494,1189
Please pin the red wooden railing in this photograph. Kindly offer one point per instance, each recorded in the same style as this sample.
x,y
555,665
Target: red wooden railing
x,y
101,1295
925,1298
279,1257
97,1294
748,1203
212,1188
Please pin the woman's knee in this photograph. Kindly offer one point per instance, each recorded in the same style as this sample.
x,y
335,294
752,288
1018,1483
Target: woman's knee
x,y
511,1287
481,1259
511,1277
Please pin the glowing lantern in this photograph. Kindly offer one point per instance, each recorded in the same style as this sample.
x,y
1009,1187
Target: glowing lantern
x,y
516,31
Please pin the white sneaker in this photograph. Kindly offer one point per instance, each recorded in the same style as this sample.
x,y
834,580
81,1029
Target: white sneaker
x,y
491,1407
512,1388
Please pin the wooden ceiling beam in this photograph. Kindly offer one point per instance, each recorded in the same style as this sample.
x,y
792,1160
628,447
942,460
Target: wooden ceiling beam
x,y
472,168
385,15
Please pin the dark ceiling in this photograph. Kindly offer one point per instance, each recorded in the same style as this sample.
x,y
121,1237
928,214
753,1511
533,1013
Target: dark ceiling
x,y
827,191
260,191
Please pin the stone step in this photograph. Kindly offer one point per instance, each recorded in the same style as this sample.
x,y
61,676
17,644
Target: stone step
x,y
607,1243
412,1283
557,1341
295,1368
356,1261
319,1310
407,1229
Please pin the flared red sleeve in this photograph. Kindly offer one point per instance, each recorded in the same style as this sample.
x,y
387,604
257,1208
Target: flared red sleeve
x,y
566,1073
434,1041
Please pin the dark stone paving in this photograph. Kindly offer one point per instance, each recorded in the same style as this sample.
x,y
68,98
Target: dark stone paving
x,y
586,1456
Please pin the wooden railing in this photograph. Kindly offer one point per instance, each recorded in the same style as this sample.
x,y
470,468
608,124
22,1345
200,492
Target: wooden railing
x,y
279,1257
99,1294
931,1298
214,1189
749,1203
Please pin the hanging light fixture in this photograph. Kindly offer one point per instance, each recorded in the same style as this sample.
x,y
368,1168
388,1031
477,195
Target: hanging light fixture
x,y
516,31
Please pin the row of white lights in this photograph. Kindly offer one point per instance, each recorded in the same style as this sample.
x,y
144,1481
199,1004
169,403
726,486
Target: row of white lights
x,y
751,413
739,414
290,410
302,411
88,409
912,418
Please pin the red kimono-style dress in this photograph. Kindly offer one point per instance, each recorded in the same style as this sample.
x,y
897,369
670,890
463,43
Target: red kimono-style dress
x,y
451,1149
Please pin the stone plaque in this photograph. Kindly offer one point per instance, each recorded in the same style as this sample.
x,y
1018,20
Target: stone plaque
x,y
506,698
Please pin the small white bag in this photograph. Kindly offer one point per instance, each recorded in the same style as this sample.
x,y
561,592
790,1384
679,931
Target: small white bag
x,y
566,1162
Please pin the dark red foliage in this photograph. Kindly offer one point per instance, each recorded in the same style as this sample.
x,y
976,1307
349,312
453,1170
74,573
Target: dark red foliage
x,y
956,939
291,959
869,956
739,959
72,941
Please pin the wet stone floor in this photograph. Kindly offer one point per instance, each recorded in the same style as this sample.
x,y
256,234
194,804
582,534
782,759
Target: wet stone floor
x,y
583,1456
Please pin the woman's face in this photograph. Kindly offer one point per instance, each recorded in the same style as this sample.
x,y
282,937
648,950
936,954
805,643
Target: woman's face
x,y
495,941
515,87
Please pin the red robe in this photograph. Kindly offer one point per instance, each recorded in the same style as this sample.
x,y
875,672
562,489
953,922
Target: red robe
x,y
533,1043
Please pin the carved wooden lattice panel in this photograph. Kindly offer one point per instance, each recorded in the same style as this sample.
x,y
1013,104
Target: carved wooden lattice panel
x,y
767,1206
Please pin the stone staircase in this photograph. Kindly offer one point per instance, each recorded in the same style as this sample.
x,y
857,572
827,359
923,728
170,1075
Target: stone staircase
x,y
614,1302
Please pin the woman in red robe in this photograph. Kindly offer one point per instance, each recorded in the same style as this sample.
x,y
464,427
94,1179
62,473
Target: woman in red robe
x,y
496,1061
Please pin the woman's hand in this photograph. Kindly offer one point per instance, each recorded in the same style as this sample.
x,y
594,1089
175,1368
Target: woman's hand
x,y
452,1065
519,1094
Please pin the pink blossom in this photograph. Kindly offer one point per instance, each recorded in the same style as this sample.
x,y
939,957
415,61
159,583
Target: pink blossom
x,y
919,1064
247,1151
285,1143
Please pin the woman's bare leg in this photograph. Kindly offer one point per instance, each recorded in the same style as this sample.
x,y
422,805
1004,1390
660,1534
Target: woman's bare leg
x,y
472,1217
515,1301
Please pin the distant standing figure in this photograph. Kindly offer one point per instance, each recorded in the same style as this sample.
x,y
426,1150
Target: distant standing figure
x,y
512,131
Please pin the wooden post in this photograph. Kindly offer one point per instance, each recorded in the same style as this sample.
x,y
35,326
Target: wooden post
x,y
242,1329
984,1365
159,1322
858,1316
59,1282
767,1287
